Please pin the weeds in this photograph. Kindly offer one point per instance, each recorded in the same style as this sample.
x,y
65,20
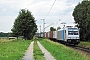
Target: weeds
x,y
38,55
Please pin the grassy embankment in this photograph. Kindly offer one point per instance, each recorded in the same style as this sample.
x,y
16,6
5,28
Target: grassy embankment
x,y
61,52
38,55
13,49
4,40
85,44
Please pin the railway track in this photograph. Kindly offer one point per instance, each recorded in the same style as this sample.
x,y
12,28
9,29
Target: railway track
x,y
82,48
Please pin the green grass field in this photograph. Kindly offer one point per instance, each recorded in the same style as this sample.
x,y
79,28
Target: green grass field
x,y
38,55
61,52
13,50
85,44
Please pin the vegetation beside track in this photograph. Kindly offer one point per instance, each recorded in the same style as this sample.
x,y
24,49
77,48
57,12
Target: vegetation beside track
x,y
13,49
85,44
38,55
61,52
5,40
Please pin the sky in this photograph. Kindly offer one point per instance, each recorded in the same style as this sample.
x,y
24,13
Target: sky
x,y
61,12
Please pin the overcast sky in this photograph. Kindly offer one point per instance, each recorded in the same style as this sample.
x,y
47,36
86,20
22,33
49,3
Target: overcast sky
x,y
62,10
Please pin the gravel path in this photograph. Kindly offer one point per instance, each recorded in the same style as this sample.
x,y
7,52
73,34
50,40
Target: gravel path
x,y
47,55
29,53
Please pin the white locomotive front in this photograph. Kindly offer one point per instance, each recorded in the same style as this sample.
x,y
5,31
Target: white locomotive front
x,y
72,35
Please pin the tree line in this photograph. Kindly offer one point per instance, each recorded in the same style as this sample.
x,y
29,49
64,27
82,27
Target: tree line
x,y
54,29
81,16
2,34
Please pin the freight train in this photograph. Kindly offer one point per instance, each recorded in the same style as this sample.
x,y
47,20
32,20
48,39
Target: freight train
x,y
68,35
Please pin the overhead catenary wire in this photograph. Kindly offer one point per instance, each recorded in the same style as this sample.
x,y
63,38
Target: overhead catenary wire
x,y
63,14
66,12
68,8
50,9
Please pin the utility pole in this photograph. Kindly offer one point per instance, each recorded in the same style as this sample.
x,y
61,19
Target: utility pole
x,y
40,30
43,26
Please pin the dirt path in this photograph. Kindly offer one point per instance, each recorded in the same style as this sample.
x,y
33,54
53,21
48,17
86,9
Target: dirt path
x,y
29,53
47,55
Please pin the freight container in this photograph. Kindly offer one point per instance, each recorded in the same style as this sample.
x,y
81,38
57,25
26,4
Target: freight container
x,y
46,34
51,34
54,34
41,34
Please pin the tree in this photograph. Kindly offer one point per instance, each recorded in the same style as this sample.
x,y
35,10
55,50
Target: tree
x,y
81,15
2,34
52,29
58,28
24,25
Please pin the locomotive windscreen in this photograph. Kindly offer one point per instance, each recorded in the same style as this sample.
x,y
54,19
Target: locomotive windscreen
x,y
72,31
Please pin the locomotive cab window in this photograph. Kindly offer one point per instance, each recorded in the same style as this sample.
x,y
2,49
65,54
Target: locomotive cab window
x,y
72,31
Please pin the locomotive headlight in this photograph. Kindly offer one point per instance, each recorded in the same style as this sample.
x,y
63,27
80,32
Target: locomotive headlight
x,y
69,37
77,37
77,40
69,40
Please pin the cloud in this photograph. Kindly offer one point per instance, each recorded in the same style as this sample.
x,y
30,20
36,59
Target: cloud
x,y
6,23
62,10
